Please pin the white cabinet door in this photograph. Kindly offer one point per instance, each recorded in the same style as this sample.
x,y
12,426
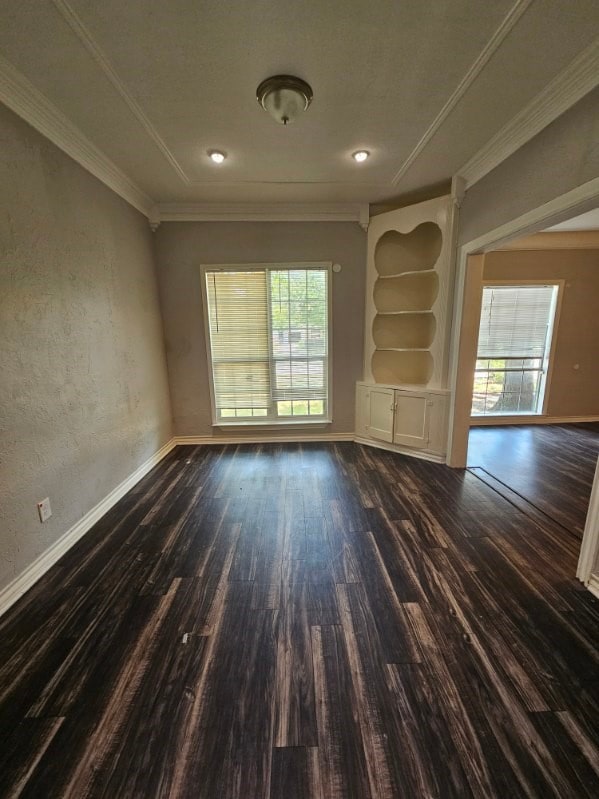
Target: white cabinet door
x,y
380,413
411,419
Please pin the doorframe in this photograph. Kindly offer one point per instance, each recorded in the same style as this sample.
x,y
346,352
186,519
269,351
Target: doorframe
x,y
589,551
561,208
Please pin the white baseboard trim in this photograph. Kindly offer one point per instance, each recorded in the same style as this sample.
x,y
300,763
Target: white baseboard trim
x,y
24,581
491,421
261,438
413,453
593,585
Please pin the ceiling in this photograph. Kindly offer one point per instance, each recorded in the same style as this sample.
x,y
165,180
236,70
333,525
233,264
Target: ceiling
x,y
422,85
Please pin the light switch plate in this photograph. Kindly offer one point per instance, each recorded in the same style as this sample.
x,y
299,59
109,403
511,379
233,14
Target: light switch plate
x,y
44,509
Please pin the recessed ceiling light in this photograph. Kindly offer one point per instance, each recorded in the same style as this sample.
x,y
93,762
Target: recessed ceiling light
x,y
360,155
217,156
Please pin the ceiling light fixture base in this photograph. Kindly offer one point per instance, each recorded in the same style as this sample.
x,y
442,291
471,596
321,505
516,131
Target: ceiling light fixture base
x,y
285,97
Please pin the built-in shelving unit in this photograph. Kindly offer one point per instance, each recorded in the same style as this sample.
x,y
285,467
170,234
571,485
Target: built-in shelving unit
x,y
406,284
403,400
408,280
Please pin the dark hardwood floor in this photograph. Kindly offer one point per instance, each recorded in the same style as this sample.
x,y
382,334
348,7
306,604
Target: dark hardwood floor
x,y
291,621
550,466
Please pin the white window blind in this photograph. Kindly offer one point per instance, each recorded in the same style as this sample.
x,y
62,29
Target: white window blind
x,y
513,349
269,332
514,321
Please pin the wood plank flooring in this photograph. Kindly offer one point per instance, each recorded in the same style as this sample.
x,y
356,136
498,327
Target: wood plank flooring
x,y
320,621
550,466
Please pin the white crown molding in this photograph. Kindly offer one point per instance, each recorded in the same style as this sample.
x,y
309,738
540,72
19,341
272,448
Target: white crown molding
x,y
263,212
473,72
21,96
579,78
100,58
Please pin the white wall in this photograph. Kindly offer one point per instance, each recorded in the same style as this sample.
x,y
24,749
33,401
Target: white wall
x,y
180,250
83,388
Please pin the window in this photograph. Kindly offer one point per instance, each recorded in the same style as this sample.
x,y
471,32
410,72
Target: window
x,y
268,330
513,349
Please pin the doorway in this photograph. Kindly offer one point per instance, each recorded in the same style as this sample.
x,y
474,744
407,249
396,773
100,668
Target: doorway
x,y
469,296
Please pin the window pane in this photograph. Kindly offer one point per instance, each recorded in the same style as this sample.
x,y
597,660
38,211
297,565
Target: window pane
x,y
268,341
284,408
300,379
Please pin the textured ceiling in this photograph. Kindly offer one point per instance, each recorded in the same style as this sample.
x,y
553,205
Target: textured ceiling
x,y
155,84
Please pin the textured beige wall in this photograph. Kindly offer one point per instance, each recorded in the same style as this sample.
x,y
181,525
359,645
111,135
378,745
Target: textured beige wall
x,y
83,385
572,392
560,158
180,250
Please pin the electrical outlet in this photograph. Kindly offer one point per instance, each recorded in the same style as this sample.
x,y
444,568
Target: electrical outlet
x,y
44,509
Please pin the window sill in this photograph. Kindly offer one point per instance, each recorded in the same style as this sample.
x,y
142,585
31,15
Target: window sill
x,y
270,425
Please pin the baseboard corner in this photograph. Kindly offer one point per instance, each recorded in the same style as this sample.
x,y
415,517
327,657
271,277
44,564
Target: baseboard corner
x,y
32,573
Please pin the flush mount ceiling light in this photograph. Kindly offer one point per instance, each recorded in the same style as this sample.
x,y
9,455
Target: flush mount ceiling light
x,y
217,156
284,97
360,155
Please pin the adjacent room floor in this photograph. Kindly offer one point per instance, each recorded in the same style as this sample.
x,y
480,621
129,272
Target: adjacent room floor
x,y
287,621
551,467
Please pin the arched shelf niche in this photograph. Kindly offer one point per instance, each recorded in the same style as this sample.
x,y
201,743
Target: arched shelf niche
x,y
414,330
416,291
396,253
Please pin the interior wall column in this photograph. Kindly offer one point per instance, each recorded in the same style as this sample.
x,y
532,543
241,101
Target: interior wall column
x,y
472,300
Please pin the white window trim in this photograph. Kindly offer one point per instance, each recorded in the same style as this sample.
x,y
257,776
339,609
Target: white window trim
x,y
551,335
291,422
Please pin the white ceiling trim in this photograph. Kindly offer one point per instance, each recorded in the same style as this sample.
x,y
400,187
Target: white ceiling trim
x,y
100,58
21,96
473,72
261,212
579,78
